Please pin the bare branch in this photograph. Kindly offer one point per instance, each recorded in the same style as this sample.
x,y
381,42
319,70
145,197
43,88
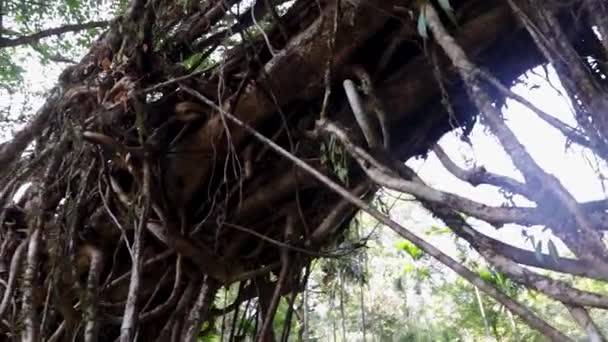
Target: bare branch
x,y
528,316
35,37
478,240
480,175
556,289
568,131
553,288
385,176
581,316
588,244
548,262
11,150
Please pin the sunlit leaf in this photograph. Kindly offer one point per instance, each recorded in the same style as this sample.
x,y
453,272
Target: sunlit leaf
x,y
486,275
423,272
434,230
408,268
411,249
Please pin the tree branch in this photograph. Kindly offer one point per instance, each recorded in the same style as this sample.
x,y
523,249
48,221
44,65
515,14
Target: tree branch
x,y
386,177
558,264
480,175
13,148
568,131
526,314
548,262
588,244
35,37
582,317
553,288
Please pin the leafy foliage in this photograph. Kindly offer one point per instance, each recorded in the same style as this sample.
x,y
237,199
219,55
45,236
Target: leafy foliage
x,y
10,72
23,18
334,156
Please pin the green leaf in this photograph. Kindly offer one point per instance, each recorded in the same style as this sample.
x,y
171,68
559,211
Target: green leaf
x,y
486,275
10,73
423,272
422,26
538,251
553,251
211,337
434,230
500,279
411,249
408,268
72,4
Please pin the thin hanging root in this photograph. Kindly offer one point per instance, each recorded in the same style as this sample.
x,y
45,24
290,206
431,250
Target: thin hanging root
x,y
200,310
374,103
360,110
58,333
361,116
12,277
274,302
31,332
186,298
95,266
235,316
170,302
129,322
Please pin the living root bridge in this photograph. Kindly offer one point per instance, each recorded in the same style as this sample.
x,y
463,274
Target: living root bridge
x,y
160,176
